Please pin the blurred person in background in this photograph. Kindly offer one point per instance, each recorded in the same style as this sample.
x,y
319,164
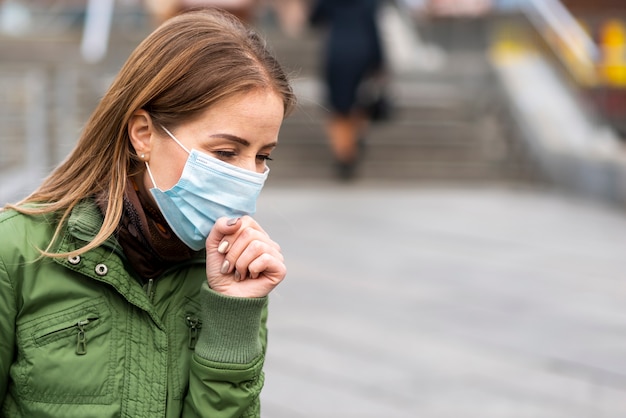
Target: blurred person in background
x,y
133,281
291,14
162,10
353,55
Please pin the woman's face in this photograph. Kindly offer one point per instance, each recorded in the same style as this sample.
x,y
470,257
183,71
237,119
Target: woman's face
x,y
241,130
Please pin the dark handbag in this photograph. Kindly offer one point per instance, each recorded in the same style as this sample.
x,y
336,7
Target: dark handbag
x,y
374,99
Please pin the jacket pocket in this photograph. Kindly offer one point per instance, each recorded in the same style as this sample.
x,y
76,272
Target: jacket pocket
x,y
68,356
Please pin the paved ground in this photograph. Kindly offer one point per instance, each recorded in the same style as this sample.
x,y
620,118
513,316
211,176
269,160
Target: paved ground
x,y
445,302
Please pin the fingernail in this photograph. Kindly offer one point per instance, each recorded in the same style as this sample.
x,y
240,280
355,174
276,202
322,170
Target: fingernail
x,y
232,221
225,267
237,276
222,247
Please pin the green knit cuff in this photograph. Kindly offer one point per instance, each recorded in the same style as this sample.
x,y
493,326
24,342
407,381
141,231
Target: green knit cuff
x,y
230,327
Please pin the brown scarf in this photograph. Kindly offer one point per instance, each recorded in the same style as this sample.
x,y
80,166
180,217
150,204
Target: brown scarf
x,y
145,237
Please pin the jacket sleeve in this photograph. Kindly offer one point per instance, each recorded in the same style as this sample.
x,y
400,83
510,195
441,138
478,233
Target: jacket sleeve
x,y
7,327
226,372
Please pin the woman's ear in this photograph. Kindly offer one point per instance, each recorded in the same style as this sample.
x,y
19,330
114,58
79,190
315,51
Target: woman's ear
x,y
141,132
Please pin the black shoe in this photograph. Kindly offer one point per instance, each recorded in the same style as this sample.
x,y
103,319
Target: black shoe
x,y
345,169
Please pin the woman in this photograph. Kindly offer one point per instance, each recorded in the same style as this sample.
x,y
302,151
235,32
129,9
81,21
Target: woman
x,y
133,281
352,55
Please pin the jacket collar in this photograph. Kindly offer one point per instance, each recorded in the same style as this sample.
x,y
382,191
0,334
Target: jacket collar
x,y
84,224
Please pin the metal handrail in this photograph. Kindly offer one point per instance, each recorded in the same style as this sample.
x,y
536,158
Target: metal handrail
x,y
552,15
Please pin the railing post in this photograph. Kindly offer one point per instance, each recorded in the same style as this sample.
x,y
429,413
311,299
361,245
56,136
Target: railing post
x,y
98,19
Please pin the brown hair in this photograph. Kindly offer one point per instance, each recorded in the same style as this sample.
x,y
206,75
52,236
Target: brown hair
x,y
187,64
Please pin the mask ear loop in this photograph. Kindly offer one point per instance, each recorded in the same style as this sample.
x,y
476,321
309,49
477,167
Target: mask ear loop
x,y
175,140
150,174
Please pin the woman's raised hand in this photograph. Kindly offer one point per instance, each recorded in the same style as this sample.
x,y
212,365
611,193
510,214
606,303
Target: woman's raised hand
x,y
242,260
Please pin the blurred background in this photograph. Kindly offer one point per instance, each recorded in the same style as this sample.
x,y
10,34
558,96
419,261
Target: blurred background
x,y
530,92
475,265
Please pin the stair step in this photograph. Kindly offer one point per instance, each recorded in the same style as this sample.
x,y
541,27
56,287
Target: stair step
x,y
401,171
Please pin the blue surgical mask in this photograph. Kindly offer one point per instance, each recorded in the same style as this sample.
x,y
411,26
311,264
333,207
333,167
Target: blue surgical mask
x,y
207,190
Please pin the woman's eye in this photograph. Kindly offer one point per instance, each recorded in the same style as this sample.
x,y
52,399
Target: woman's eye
x,y
261,157
225,154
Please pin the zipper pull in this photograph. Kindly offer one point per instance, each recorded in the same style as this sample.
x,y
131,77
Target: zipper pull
x,y
194,325
149,289
81,338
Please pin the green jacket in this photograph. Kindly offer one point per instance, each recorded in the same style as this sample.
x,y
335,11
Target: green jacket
x,y
81,337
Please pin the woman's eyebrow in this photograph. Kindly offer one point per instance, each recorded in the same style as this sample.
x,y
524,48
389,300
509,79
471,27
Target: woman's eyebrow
x,y
240,140
233,138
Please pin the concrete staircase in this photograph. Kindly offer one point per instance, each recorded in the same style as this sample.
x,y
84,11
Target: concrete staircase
x,y
449,125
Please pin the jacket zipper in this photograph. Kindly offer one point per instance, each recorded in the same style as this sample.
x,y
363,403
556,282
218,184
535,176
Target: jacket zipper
x,y
194,325
150,289
81,334
81,337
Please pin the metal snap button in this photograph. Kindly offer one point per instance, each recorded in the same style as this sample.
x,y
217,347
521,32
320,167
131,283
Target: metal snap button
x,y
74,260
101,269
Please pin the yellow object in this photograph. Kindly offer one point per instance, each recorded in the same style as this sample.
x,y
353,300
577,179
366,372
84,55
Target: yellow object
x,y
613,46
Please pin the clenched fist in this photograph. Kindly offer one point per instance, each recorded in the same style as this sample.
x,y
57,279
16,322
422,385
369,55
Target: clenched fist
x,y
242,260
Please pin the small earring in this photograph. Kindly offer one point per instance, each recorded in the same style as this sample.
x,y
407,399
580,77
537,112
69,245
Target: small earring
x,y
143,156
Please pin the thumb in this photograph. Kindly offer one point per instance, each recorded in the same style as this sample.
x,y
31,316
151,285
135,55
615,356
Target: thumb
x,y
223,227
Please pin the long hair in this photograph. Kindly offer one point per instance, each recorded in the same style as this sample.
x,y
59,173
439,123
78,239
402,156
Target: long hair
x,y
186,65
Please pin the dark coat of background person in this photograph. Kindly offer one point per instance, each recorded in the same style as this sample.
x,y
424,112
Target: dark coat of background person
x,y
353,48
